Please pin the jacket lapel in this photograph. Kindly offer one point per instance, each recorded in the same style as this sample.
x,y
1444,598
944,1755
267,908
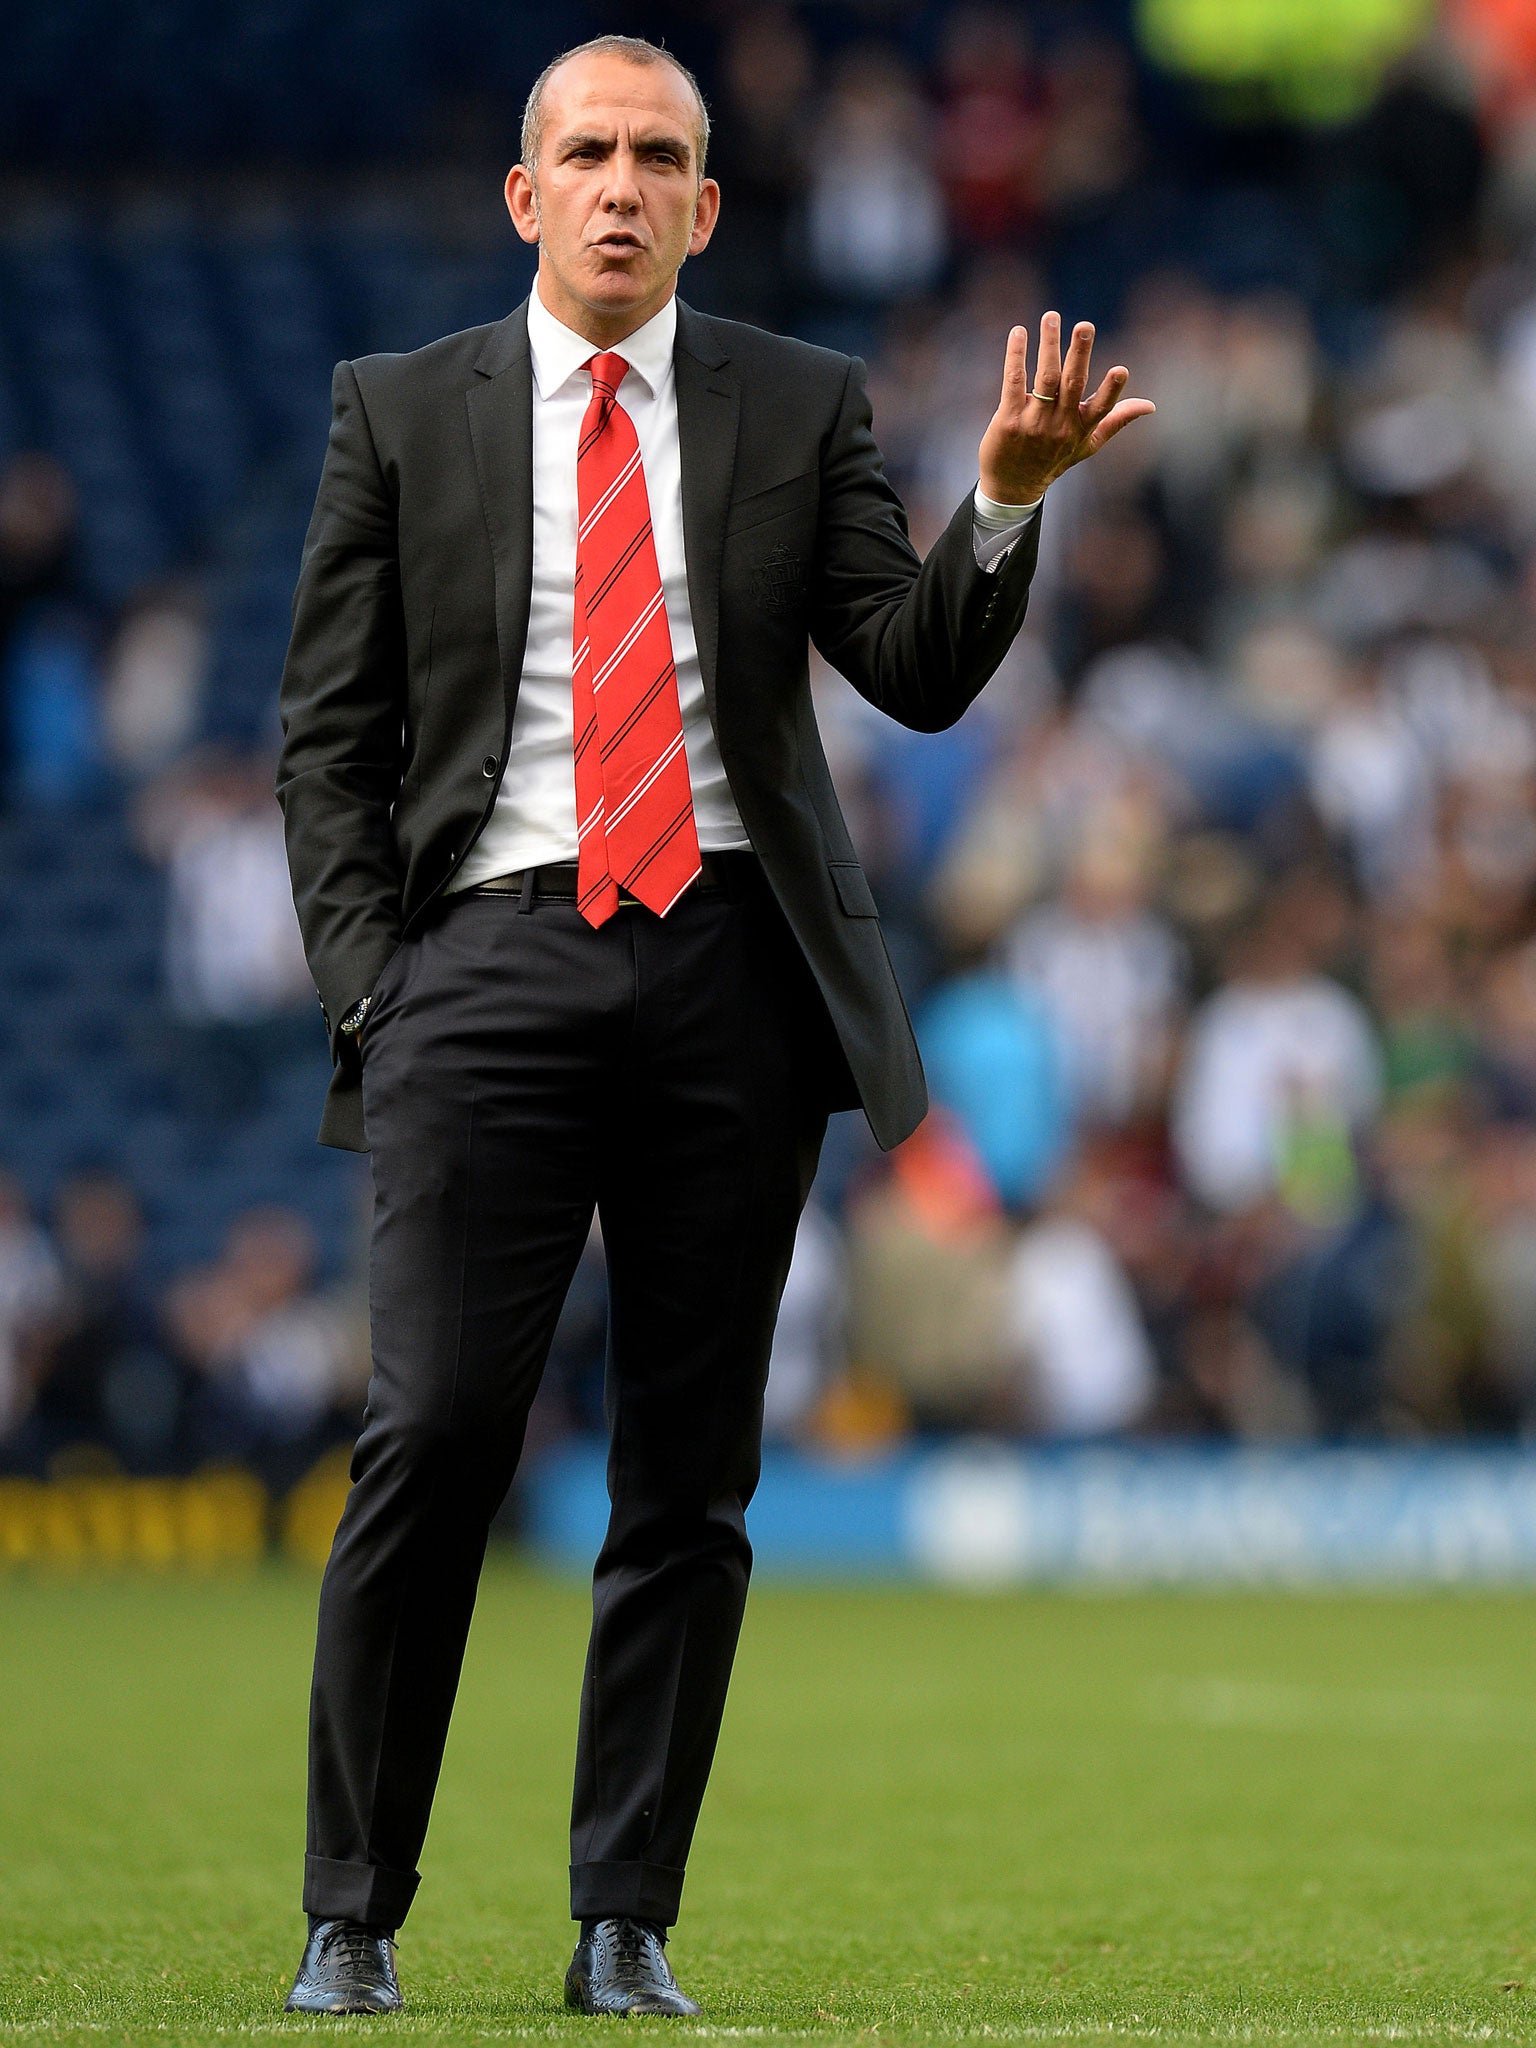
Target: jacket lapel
x,y
500,406
708,407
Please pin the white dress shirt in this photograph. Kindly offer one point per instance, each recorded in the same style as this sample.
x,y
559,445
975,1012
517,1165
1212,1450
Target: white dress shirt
x,y
534,819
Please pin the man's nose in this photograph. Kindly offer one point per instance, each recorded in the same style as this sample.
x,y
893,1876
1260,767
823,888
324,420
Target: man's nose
x,y
621,192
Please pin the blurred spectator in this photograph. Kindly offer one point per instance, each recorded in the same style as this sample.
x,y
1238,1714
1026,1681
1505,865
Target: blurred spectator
x,y
1426,1028
277,1377
1282,1068
37,537
154,679
1115,589
928,1276
874,216
1087,1367
1109,970
234,964
1273,538
104,1377
232,944
992,126
1449,1374
51,690
1287,676
997,1064
1371,781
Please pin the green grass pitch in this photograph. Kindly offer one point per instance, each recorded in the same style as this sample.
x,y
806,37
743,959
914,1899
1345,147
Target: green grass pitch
x,y
1235,1817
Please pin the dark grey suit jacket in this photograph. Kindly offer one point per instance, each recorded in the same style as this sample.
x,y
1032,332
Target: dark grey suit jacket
x,y
411,614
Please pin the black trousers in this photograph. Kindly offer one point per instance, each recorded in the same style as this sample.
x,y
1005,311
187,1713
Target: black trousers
x,y
519,1068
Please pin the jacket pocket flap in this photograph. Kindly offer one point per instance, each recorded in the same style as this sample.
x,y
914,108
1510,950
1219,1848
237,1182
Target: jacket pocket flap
x,y
773,499
852,888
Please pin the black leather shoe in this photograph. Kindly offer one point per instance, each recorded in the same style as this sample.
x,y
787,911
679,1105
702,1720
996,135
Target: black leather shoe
x,y
620,1966
347,1967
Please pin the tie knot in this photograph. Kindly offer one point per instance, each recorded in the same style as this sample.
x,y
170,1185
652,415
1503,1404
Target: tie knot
x,y
608,373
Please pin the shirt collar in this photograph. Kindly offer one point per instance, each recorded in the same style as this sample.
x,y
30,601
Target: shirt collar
x,y
559,353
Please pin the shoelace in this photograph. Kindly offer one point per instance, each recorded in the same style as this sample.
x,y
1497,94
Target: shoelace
x,y
358,1945
628,1941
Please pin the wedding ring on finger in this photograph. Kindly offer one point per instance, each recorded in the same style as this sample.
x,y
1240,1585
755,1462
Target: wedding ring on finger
x,y
1045,397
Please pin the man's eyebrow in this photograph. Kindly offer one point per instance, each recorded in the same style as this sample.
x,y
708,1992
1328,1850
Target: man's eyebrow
x,y
590,139
662,140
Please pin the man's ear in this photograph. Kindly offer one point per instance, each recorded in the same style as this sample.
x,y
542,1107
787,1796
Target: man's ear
x,y
706,212
522,202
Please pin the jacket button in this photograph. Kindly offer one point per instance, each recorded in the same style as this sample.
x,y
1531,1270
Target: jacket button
x,y
489,766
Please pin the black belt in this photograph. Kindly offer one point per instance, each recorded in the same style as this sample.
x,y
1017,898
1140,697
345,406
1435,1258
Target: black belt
x,y
555,882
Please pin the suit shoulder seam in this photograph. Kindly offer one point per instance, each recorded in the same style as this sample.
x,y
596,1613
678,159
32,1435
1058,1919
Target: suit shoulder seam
x,y
740,336
362,406
469,340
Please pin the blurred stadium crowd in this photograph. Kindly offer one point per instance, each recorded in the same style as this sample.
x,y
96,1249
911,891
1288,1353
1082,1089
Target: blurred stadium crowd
x,y
1217,913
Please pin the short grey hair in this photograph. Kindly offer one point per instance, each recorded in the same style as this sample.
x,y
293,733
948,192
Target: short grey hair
x,y
636,50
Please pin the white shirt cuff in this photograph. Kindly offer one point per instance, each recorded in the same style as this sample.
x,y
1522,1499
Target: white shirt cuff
x,y
996,527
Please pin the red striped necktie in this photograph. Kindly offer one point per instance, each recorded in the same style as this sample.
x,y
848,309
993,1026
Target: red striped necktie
x,y
634,800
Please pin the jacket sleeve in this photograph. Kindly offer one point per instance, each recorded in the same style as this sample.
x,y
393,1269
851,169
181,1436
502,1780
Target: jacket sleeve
x,y
918,639
342,703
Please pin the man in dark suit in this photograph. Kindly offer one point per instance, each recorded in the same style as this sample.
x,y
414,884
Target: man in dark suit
x,y
589,932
